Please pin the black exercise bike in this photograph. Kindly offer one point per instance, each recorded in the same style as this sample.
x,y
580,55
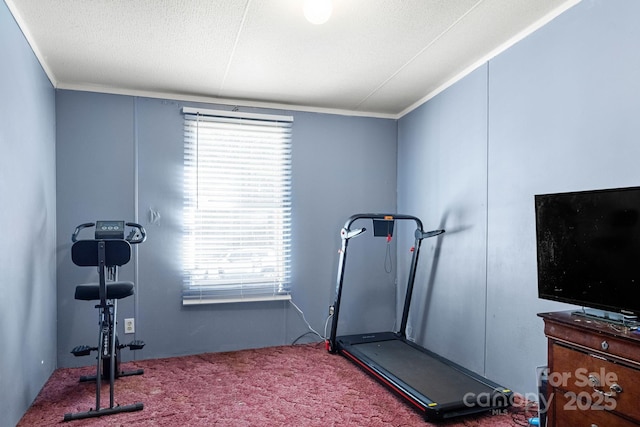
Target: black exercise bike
x,y
108,250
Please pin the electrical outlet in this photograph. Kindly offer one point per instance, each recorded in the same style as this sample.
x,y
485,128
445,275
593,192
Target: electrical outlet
x,y
129,326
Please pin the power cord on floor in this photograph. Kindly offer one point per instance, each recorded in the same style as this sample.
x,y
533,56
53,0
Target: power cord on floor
x,y
302,336
311,330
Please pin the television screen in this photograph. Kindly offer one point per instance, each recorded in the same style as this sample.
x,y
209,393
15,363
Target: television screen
x,y
588,246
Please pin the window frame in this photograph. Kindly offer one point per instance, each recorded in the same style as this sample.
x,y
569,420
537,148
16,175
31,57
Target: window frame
x,y
257,189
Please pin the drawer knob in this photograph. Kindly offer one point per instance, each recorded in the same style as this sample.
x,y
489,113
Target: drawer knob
x,y
615,388
604,345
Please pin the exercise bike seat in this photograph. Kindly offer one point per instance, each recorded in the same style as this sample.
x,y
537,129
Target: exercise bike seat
x,y
85,253
115,290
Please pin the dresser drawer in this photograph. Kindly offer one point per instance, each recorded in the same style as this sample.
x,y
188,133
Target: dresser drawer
x,y
568,414
597,342
576,372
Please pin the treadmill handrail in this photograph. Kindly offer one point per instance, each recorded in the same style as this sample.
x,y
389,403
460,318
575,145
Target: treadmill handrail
x,y
384,216
346,233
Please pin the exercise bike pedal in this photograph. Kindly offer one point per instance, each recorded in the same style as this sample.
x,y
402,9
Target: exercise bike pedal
x,y
82,350
135,345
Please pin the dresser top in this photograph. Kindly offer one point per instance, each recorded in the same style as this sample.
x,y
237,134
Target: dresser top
x,y
570,318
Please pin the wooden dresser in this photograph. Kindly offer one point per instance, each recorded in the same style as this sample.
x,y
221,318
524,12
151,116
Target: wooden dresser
x,y
594,372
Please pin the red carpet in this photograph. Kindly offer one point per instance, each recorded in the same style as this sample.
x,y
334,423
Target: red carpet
x,y
281,386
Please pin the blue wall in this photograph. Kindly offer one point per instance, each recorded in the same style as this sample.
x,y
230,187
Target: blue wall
x,y
28,216
120,156
556,112
442,168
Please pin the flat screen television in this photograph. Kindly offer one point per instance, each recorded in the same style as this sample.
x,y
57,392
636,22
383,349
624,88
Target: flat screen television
x,y
588,249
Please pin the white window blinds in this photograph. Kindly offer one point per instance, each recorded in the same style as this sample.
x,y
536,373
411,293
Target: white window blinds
x,y
237,207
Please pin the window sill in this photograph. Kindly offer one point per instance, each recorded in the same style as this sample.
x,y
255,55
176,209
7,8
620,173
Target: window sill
x,y
236,300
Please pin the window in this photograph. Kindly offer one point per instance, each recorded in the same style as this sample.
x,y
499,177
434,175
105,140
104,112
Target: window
x,y
237,207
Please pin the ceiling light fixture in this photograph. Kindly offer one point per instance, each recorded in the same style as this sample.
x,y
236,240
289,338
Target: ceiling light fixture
x,y
317,11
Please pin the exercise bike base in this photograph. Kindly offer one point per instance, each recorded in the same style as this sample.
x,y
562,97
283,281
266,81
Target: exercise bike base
x,y
104,411
87,378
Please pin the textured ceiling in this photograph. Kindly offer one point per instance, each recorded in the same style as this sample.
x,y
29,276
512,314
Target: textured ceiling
x,y
373,57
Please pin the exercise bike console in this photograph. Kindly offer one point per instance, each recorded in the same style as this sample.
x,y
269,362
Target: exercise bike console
x,y
109,230
113,230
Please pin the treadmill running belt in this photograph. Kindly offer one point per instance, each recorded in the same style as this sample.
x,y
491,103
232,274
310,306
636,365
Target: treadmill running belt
x,y
434,379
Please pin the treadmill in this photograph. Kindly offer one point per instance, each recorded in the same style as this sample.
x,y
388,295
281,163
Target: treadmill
x,y
436,387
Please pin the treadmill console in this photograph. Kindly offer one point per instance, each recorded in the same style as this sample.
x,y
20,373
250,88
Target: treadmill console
x,y
383,227
109,230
